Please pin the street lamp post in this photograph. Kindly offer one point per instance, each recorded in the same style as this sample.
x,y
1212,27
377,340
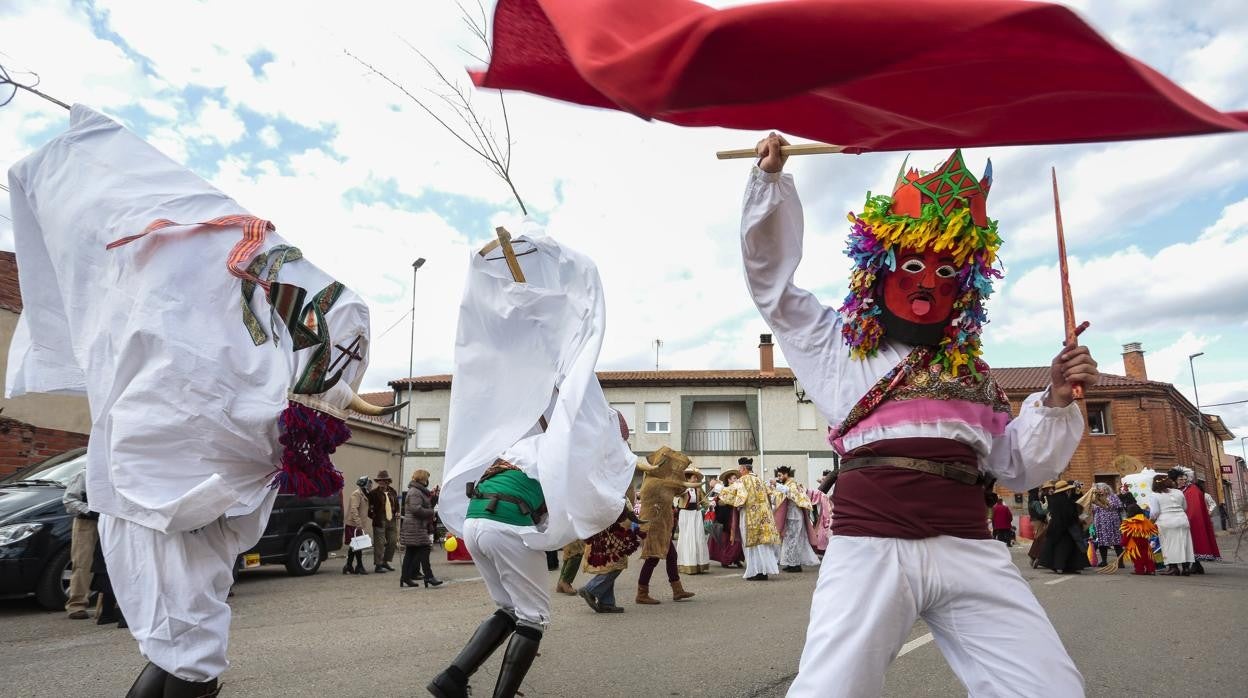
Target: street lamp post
x,y
1200,418
411,366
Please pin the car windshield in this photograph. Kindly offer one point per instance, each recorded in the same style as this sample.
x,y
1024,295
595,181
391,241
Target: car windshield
x,y
59,469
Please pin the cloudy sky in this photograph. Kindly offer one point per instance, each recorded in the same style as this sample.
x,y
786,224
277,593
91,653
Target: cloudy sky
x,y
266,105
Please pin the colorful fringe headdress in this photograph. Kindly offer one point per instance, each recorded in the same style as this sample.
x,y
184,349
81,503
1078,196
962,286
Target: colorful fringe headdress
x,y
943,211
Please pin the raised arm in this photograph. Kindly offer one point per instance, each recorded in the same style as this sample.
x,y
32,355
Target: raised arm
x,y
771,246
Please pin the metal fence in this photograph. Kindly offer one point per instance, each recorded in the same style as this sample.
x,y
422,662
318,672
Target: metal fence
x,y
726,440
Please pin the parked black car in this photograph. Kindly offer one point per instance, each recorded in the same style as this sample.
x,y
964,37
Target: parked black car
x,y
301,533
35,532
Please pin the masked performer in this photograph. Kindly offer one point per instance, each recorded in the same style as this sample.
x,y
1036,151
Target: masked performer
x,y
792,519
1137,532
756,523
920,424
535,455
217,361
692,555
666,476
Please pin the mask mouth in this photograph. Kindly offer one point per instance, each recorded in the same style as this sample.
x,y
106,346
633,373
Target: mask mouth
x,y
921,303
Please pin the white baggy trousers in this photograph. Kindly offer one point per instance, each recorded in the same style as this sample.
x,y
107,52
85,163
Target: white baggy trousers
x,y
172,587
514,574
982,614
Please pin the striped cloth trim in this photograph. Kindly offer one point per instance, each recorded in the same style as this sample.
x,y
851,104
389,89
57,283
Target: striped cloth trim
x,y
254,230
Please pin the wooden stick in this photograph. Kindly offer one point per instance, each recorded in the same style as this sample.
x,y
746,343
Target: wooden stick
x,y
509,253
799,149
1068,302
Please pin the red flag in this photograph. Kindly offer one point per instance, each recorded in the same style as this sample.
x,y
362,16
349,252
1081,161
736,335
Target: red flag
x,y
869,74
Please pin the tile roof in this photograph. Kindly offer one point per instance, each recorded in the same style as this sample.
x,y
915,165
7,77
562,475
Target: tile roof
x,y
1037,377
382,399
10,292
617,379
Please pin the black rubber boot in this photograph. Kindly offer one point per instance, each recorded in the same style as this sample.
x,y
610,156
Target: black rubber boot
x,y
521,652
453,682
181,688
150,684
1198,568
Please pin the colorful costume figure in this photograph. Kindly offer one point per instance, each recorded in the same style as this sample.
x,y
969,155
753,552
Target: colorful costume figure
x,y
793,522
665,478
921,423
218,364
1137,532
756,524
725,544
692,554
535,456
1106,521
606,556
1167,506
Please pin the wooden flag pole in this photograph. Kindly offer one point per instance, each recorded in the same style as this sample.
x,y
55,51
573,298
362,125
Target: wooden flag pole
x,y
1068,302
799,149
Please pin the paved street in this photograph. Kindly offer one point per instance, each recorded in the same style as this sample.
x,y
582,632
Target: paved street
x,y
350,636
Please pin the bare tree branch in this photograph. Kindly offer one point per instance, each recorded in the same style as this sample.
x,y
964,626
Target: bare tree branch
x,y
476,133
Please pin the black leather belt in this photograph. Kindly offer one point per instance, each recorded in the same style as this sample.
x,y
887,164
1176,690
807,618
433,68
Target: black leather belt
x,y
966,474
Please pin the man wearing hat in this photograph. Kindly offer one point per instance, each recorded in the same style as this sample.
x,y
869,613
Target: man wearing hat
x,y
383,509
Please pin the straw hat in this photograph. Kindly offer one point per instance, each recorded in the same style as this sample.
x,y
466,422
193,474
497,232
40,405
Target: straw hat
x,y
725,474
1062,486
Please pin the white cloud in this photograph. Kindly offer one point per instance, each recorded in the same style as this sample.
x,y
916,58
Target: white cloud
x,y
270,137
215,122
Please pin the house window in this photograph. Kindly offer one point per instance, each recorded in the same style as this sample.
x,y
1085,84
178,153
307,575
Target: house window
x,y
1098,419
428,433
629,411
807,416
658,417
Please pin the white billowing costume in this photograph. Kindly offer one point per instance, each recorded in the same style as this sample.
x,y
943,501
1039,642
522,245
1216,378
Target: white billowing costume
x,y
185,397
525,392
871,590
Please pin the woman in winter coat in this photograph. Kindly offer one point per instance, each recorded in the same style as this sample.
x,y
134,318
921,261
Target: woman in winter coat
x,y
416,531
356,524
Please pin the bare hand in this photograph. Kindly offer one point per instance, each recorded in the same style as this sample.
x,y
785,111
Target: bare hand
x,y
1073,366
770,158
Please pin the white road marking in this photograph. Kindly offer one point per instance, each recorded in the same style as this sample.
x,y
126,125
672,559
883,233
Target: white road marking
x,y
915,644
1059,580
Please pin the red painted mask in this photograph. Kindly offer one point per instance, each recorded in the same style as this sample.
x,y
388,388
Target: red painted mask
x,y
922,288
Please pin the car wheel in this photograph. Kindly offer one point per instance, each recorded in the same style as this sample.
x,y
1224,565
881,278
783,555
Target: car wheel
x,y
304,557
53,589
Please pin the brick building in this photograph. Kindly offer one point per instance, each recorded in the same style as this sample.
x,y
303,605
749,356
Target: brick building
x,y
1133,422
32,427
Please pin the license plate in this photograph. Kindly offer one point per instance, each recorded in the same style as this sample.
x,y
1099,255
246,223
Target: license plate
x,y
251,560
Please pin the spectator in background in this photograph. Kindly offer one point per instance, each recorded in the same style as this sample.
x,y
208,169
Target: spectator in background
x,y
383,509
417,531
81,547
1002,522
356,524
1038,510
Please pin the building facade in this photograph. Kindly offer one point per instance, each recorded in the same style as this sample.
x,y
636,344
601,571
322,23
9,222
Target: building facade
x,y
717,416
713,416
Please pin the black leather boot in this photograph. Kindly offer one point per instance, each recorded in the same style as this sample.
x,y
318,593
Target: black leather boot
x,y
181,688
150,684
521,652
453,682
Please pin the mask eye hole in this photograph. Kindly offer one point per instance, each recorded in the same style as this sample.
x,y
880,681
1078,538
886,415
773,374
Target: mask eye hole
x,y
946,272
914,266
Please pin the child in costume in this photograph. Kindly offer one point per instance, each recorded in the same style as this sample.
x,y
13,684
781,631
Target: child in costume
x,y
1137,533
922,428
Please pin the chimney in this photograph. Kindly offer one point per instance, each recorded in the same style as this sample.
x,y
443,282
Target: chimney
x,y
766,356
1133,361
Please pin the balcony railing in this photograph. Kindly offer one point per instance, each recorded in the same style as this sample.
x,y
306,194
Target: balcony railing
x,y
725,440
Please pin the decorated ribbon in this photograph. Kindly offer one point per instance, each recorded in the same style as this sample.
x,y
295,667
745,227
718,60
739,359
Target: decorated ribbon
x,y
254,230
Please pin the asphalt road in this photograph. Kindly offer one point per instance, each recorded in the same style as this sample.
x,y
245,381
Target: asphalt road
x,y
364,636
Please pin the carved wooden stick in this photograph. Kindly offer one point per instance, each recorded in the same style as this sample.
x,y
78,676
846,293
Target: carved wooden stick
x,y
799,149
1068,302
509,253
